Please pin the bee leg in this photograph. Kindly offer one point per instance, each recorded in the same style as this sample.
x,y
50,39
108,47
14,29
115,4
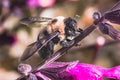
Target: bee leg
x,y
67,43
77,45
79,30
43,52
47,50
66,51
56,40
51,47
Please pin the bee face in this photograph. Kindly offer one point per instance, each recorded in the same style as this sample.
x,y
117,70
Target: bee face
x,y
70,26
66,26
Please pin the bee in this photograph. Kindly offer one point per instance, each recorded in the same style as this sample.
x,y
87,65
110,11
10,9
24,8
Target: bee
x,y
64,30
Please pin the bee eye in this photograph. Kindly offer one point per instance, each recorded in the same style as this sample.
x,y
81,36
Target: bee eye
x,y
54,21
73,24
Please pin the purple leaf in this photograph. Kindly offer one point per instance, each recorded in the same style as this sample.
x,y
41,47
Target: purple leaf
x,y
109,30
78,71
54,71
32,77
113,16
103,28
73,71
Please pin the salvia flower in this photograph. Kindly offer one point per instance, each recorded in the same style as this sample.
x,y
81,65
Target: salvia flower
x,y
74,71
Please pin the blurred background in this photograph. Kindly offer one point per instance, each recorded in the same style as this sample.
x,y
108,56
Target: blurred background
x,y
14,37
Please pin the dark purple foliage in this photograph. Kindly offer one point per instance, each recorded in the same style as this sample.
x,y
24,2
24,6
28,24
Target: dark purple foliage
x,y
103,28
113,16
73,71
108,29
7,39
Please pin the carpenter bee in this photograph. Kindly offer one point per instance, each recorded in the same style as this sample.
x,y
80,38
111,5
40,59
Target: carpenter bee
x,y
58,30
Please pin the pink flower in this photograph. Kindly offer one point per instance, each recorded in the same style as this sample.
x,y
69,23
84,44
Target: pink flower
x,y
77,71
69,71
41,3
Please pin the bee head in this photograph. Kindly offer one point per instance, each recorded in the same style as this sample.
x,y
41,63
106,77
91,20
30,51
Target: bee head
x,y
70,26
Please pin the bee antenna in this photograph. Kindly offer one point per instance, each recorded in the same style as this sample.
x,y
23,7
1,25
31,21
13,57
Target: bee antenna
x,y
76,17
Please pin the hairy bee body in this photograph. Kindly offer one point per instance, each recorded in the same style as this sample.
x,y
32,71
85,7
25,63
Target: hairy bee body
x,y
57,24
67,28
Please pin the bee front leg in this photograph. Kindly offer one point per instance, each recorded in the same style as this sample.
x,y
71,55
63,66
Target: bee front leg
x,y
67,43
78,31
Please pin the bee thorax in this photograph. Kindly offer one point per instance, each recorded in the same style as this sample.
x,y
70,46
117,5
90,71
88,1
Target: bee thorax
x,y
58,24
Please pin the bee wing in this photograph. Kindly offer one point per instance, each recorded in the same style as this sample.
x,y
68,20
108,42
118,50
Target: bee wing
x,y
36,46
30,20
30,50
